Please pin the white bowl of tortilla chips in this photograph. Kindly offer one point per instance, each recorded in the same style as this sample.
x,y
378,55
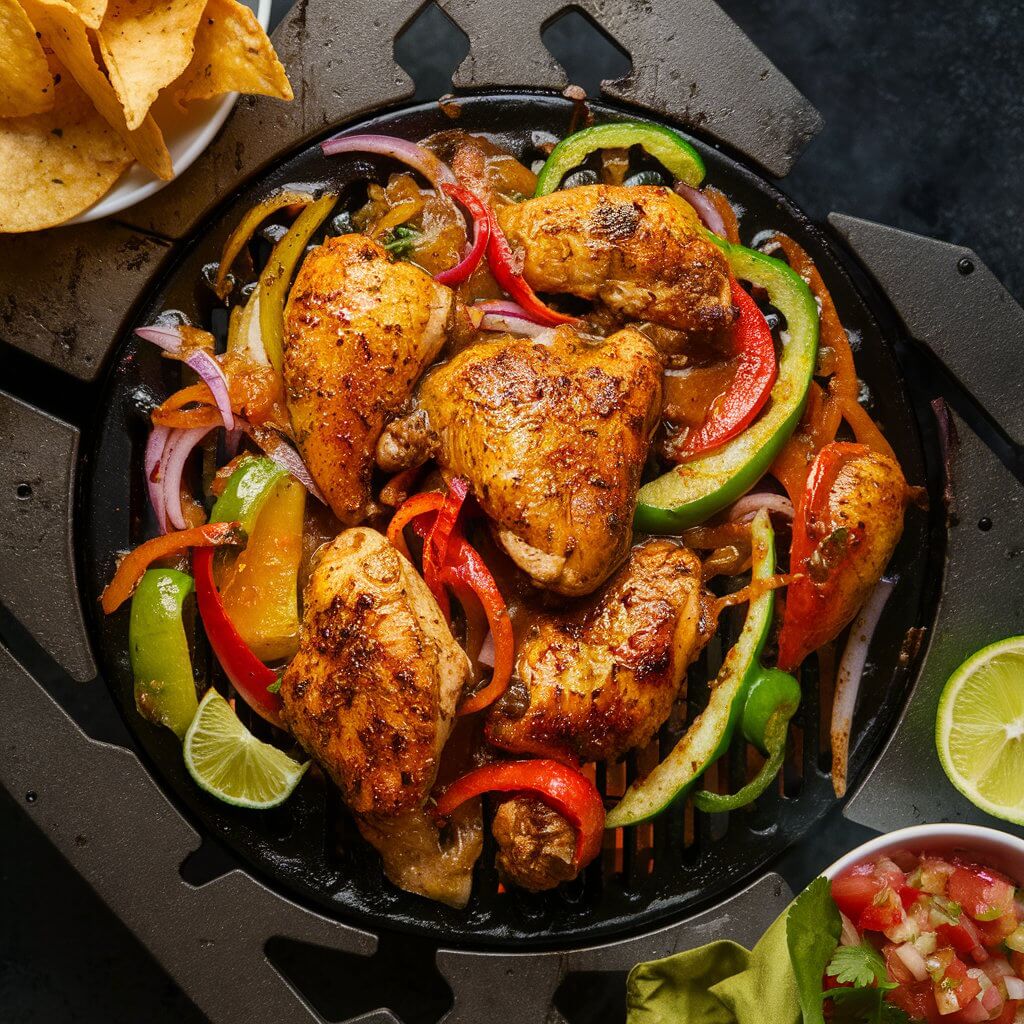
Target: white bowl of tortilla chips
x,y
103,102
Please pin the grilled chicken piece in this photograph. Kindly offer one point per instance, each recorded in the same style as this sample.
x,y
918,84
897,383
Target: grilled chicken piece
x,y
358,332
552,434
371,693
602,679
640,250
420,858
536,845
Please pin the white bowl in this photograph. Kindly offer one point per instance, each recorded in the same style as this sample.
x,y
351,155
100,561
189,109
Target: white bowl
x,y
186,135
990,846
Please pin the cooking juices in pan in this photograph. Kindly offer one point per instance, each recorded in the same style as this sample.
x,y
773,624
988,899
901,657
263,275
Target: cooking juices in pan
x,y
559,435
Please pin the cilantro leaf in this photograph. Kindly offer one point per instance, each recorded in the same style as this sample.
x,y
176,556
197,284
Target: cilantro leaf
x,y
275,686
813,926
401,240
861,966
863,1006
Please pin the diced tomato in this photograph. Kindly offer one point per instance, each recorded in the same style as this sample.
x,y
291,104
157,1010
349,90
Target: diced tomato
x,y
957,981
917,1001
935,874
854,890
964,938
1009,1014
909,896
884,912
1017,963
983,893
993,932
895,967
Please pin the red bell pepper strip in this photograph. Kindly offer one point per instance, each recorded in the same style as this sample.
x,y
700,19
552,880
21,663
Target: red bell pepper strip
x,y
810,604
502,262
435,550
134,565
750,388
450,561
410,509
465,566
570,793
481,235
248,675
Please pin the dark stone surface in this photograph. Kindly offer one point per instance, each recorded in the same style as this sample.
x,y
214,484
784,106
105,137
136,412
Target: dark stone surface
x,y
924,130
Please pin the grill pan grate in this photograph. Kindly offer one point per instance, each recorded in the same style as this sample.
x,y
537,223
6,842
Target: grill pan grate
x,y
684,861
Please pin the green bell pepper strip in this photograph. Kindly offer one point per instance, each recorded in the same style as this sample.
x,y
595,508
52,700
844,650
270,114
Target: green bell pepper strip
x,y
693,491
711,732
165,690
771,702
246,491
666,146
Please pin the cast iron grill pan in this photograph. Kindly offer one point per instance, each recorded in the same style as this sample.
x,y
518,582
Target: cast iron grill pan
x,y
309,848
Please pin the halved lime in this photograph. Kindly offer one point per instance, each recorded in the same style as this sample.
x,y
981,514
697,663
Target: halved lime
x,y
979,731
229,762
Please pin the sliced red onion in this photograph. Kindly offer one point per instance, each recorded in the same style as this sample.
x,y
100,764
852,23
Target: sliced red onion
x,y
509,317
973,1013
750,504
851,669
706,210
486,655
213,376
286,457
154,473
167,338
912,960
179,446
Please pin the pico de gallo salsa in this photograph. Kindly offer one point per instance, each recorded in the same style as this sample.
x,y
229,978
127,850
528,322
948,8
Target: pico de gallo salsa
x,y
942,935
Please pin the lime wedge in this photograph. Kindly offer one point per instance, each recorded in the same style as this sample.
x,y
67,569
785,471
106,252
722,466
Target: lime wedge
x,y
979,732
226,759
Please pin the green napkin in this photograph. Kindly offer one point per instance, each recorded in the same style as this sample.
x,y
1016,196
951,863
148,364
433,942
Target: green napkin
x,y
720,983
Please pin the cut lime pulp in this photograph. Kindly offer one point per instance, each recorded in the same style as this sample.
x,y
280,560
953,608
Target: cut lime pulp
x,y
979,731
229,762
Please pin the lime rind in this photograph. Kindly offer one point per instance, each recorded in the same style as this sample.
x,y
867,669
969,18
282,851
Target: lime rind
x,y
979,729
227,761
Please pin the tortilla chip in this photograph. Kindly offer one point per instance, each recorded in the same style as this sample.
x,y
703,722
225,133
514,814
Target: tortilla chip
x,y
146,44
66,33
233,54
26,86
90,11
54,165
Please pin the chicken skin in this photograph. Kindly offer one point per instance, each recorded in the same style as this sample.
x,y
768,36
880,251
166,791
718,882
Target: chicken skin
x,y
371,694
552,434
640,250
359,330
601,679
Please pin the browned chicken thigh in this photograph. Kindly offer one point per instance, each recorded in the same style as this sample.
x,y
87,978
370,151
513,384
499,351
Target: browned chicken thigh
x,y
600,679
359,330
371,694
552,434
640,250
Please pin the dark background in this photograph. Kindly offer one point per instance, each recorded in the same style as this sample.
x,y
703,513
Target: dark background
x,y
924,109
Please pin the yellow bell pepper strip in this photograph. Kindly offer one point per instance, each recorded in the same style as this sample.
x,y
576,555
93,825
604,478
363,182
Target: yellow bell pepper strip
x,y
277,275
134,565
260,592
666,146
245,495
688,494
254,216
165,689
709,736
